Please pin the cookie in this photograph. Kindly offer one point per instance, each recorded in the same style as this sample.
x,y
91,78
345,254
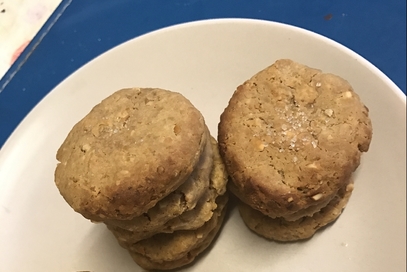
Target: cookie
x,y
183,199
280,229
190,220
146,263
168,251
291,137
131,150
309,211
193,219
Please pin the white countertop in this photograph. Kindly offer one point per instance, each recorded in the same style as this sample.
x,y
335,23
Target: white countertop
x,y
20,20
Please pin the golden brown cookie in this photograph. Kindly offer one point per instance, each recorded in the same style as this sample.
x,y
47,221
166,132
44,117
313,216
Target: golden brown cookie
x,y
172,250
280,229
185,260
291,136
188,220
131,150
183,199
309,211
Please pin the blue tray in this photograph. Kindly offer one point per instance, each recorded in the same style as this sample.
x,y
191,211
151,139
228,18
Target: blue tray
x,y
78,31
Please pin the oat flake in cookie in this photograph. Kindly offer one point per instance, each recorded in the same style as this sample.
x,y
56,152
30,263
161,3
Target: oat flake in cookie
x,y
129,152
291,137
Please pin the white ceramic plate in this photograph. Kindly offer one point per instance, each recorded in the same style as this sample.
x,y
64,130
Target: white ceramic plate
x,y
205,61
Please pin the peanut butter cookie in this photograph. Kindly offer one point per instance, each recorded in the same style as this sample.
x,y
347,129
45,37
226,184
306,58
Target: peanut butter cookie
x,y
291,137
131,150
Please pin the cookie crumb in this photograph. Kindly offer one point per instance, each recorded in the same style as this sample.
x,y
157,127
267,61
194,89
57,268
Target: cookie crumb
x,y
347,94
349,187
328,112
316,197
85,148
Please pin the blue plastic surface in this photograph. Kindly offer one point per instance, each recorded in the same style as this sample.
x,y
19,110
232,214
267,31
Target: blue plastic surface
x,y
79,31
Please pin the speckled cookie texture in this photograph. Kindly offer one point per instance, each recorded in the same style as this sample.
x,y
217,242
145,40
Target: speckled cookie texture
x,y
143,162
132,150
180,240
168,251
291,137
215,195
181,200
282,230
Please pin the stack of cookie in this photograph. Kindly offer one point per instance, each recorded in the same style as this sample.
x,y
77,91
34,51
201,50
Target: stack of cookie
x,y
291,137
143,162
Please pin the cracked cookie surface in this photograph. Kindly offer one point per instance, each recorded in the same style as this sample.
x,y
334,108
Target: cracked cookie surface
x,y
291,137
129,152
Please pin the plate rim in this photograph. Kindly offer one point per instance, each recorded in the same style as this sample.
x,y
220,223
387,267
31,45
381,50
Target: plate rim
x,y
376,71
395,89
